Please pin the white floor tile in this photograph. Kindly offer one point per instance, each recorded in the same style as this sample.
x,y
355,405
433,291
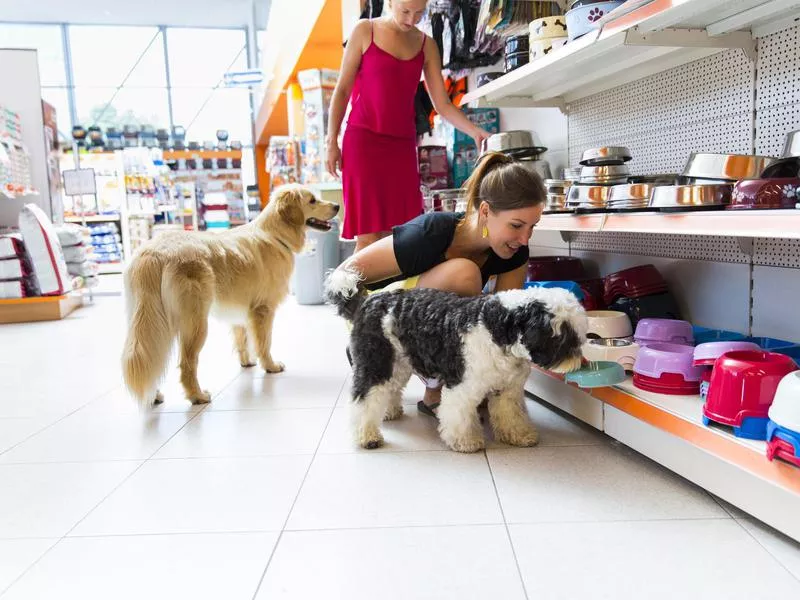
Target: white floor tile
x,y
201,495
201,566
412,432
249,433
396,489
784,549
466,562
88,436
47,500
18,555
592,483
14,431
117,401
702,559
280,391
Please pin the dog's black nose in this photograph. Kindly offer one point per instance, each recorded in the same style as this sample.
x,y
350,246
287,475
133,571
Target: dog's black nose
x,y
337,209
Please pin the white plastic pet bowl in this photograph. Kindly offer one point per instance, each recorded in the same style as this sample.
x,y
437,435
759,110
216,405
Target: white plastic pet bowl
x,y
619,351
608,324
785,409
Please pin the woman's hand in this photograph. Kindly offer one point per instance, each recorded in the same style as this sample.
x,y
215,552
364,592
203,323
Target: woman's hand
x,y
480,136
333,159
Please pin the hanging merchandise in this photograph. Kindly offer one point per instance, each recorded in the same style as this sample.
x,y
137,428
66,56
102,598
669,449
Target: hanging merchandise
x,y
282,160
453,25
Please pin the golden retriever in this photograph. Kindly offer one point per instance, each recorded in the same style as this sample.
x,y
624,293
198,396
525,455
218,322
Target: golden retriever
x,y
178,278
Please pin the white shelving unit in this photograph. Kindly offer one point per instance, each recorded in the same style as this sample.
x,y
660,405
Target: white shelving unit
x,y
609,85
748,223
654,37
669,430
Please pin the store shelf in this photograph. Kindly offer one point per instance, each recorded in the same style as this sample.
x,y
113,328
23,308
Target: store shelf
x,y
748,223
669,429
207,154
109,268
93,219
653,38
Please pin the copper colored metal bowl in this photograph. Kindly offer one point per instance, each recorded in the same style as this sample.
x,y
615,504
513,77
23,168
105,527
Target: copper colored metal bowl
x,y
690,197
731,167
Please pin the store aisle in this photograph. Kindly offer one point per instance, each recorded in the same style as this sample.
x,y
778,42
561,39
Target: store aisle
x,y
261,494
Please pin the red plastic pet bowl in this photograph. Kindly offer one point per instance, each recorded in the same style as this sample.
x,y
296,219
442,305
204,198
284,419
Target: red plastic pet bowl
x,y
672,384
555,268
742,388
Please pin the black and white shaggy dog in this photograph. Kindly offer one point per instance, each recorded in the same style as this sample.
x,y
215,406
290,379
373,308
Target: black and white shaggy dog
x,y
478,347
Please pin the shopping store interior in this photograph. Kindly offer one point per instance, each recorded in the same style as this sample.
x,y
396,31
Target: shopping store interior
x,y
665,139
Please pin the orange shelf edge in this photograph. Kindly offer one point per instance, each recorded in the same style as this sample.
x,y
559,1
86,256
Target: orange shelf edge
x,y
700,436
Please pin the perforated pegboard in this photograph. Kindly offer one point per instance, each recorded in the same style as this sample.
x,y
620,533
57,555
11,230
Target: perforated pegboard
x,y
686,247
705,105
777,253
777,90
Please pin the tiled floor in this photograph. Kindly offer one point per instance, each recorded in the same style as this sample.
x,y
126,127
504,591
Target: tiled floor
x,y
263,495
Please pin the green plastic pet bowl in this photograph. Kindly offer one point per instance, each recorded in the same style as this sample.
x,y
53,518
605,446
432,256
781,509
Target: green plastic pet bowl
x,y
597,374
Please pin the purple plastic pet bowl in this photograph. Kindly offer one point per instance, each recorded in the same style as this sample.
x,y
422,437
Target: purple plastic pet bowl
x,y
672,331
659,358
706,354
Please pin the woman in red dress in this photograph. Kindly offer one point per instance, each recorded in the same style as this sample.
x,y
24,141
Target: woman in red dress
x,y
380,73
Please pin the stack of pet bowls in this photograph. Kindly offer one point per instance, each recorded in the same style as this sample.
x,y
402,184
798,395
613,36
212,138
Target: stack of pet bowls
x,y
545,35
665,361
707,182
517,52
742,388
640,292
583,14
525,146
707,353
601,168
557,190
783,428
609,338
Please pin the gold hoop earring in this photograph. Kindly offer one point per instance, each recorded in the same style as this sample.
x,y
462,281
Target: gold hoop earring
x,y
485,232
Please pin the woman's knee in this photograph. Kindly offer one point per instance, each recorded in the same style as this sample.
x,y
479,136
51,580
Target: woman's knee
x,y
458,275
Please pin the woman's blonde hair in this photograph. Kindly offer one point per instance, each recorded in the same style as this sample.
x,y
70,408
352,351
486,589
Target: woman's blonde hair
x,y
504,184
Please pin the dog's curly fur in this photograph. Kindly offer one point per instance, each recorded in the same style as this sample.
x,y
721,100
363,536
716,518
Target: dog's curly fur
x,y
478,347
241,275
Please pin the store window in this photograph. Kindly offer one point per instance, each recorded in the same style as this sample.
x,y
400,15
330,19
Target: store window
x,y
47,41
198,61
119,75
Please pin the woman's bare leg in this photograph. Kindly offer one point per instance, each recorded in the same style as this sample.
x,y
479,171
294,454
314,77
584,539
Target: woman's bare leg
x,y
362,241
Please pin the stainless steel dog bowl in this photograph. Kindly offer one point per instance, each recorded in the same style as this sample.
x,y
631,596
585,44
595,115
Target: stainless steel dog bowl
x,y
631,192
729,167
607,155
588,196
688,197
792,146
557,186
510,140
604,173
539,166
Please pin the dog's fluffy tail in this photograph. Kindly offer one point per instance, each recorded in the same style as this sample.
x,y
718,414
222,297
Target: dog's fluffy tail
x,y
342,289
149,341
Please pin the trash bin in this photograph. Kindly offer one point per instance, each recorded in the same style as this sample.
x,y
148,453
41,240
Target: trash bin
x,y
319,256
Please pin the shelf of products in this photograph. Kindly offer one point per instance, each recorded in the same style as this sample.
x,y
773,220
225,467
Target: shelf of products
x,y
669,429
15,163
747,223
652,38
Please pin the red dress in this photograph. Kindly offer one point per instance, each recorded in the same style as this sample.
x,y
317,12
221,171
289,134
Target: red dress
x,y
380,171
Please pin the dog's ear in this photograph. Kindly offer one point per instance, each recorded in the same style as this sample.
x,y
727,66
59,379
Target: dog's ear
x,y
290,207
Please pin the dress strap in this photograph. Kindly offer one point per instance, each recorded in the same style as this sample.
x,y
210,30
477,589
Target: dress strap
x,y
424,36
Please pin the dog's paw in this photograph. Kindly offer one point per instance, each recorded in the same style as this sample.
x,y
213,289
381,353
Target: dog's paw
x,y
370,439
274,367
393,412
159,399
467,444
203,397
523,438
247,365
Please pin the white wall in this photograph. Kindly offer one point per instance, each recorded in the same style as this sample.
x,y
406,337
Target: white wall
x,y
549,124
20,91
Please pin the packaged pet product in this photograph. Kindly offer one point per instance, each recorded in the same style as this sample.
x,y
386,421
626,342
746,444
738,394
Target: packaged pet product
x,y
71,234
44,250
11,245
13,268
87,268
12,290
77,254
